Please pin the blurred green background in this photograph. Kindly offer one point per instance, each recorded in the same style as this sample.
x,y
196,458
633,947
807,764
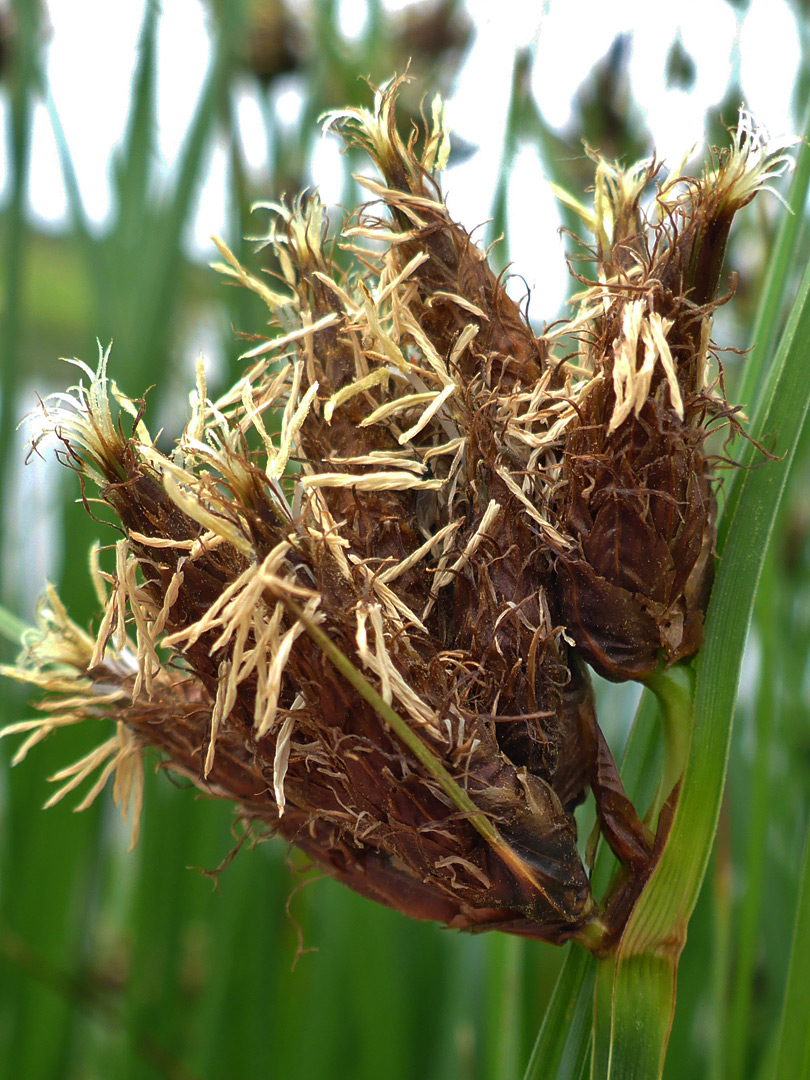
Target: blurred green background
x,y
134,965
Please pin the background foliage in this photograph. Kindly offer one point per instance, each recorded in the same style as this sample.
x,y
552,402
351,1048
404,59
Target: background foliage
x,y
134,965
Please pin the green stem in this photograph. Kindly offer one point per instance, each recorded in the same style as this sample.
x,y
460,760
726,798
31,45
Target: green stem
x,y
12,628
564,1040
674,687
639,980
793,1053
505,1013
634,1004
21,95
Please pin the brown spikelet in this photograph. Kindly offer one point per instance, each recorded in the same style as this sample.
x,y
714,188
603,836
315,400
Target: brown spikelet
x,y
456,288
636,502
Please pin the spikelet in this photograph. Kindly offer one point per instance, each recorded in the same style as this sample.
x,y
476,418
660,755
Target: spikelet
x,y
635,501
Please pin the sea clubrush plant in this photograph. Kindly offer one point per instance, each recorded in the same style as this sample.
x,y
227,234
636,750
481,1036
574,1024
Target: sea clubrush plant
x,y
360,597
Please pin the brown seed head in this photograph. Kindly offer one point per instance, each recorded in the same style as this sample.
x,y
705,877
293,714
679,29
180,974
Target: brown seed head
x,y
367,654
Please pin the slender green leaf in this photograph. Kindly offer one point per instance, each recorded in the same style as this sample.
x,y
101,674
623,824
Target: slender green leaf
x,y
758,380
778,271
735,1035
793,1054
561,1049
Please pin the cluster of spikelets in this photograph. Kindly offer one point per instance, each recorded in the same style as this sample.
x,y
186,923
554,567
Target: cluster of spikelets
x,y
357,596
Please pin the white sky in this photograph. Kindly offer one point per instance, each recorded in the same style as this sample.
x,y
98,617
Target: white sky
x,y
91,58
763,47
